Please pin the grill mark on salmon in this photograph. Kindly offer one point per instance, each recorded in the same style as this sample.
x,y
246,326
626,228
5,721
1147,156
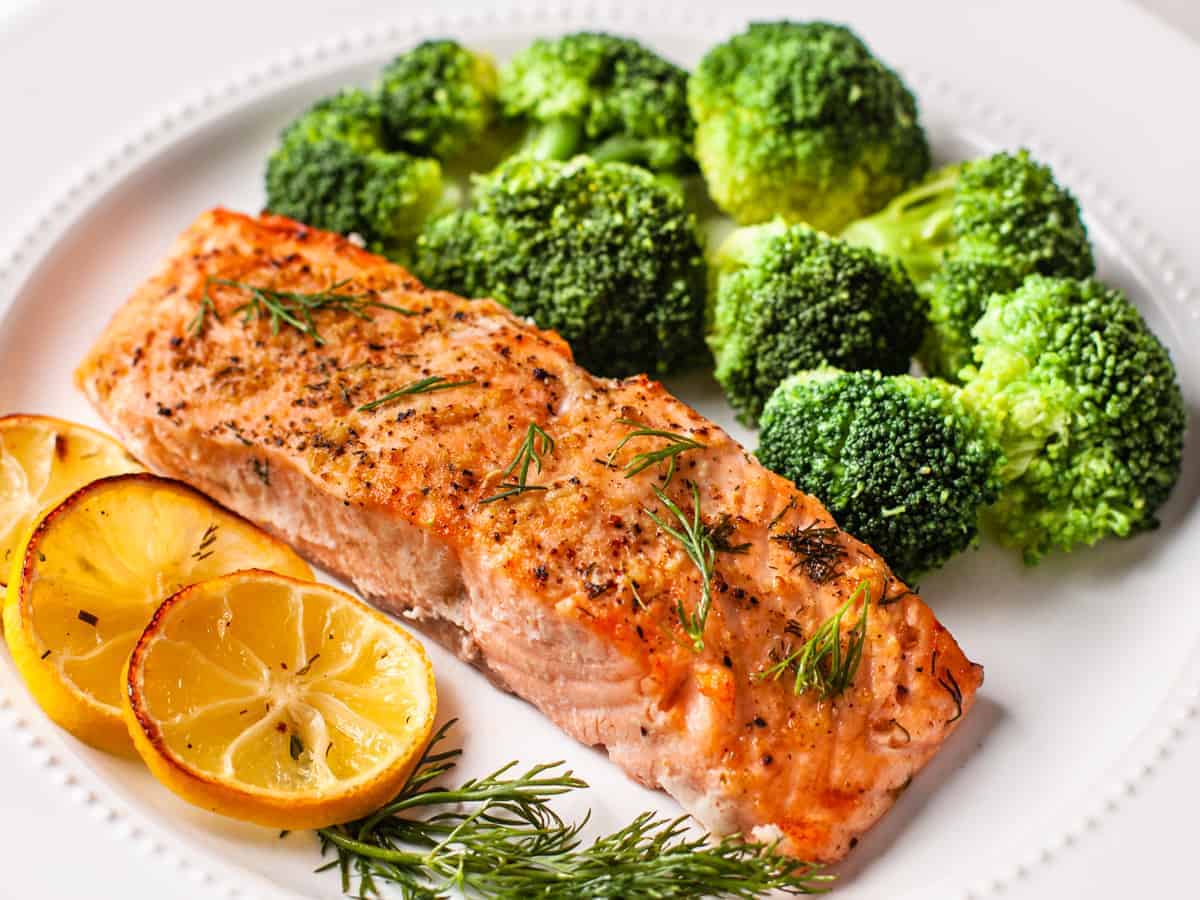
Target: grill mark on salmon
x,y
538,590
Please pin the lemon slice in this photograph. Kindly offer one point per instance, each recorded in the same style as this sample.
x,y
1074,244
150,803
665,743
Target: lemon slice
x,y
93,572
277,701
42,460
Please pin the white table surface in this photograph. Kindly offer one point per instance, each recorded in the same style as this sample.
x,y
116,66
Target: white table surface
x,y
1145,851
1183,14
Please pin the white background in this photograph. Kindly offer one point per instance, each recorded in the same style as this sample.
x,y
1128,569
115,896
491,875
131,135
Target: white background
x,y
124,60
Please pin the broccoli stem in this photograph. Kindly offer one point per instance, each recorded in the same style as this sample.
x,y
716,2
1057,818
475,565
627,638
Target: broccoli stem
x,y
915,228
621,148
624,148
555,139
654,153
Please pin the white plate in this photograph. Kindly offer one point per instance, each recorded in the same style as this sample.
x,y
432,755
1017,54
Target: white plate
x,y
1082,654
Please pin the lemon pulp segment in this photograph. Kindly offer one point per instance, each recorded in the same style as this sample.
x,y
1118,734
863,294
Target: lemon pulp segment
x,y
42,460
279,701
93,574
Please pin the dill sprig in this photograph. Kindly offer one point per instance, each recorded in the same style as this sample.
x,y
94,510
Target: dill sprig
x,y
720,534
676,444
291,308
536,445
950,684
205,550
701,543
421,386
816,548
820,663
498,836
203,311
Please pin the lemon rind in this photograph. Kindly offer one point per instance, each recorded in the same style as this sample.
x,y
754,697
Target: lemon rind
x,y
272,808
95,723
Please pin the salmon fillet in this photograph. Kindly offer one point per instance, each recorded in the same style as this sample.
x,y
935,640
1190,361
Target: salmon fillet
x,y
569,596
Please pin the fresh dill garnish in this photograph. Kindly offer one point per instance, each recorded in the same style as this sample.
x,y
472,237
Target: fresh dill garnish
x,y
237,433
421,386
262,469
639,606
820,663
887,599
536,445
203,311
722,532
676,444
817,550
702,543
637,597
791,504
291,308
950,684
498,836
204,551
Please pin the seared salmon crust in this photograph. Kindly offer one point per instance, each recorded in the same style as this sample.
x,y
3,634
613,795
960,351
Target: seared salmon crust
x,y
567,596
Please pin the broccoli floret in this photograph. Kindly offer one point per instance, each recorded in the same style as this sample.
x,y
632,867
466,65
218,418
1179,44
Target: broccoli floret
x,y
974,229
600,252
799,120
787,298
438,99
1085,401
351,116
958,294
900,461
607,96
383,197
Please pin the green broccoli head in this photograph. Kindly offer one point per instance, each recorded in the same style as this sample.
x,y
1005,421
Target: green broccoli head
x,y
438,99
901,462
1009,205
600,252
958,294
383,197
1004,211
351,116
787,298
799,120
1085,401
606,96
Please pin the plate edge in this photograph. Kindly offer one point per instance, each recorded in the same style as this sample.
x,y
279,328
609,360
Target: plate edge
x,y
1177,712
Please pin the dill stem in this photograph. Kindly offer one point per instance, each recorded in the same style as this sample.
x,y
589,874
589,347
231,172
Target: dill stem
x,y
374,851
513,845
472,794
